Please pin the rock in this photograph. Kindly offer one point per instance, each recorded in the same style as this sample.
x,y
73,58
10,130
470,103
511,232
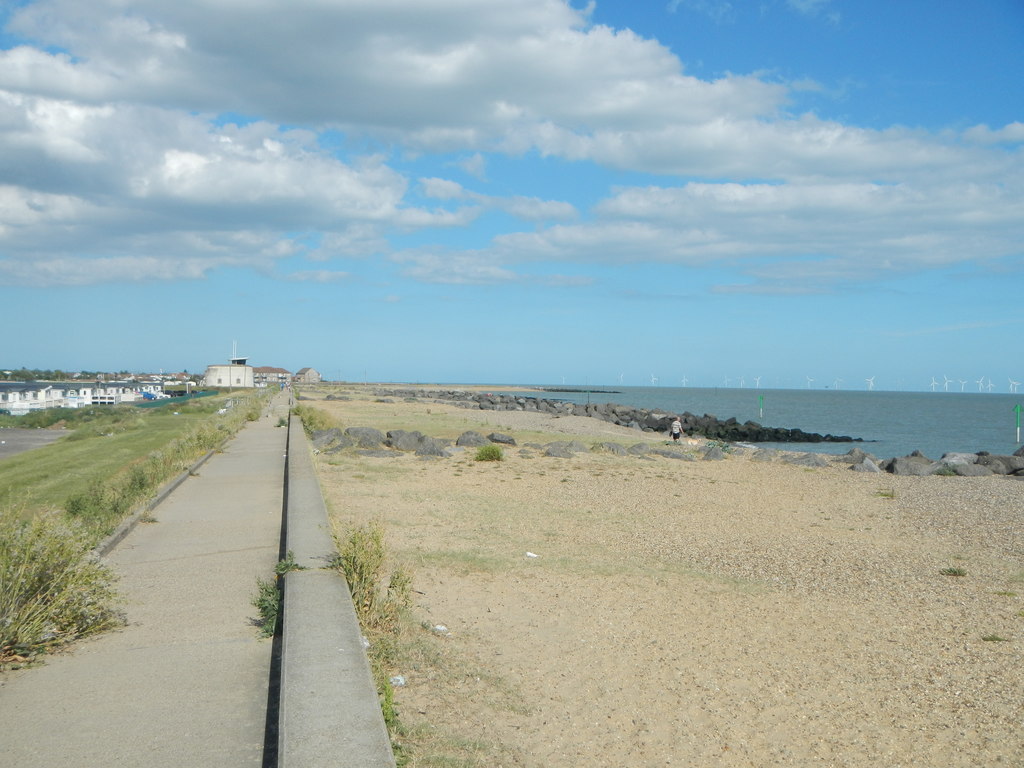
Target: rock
x,y
714,453
856,456
401,440
380,454
764,454
366,437
959,458
970,470
807,460
498,437
558,450
668,453
613,448
472,439
867,465
919,466
324,438
432,446
638,449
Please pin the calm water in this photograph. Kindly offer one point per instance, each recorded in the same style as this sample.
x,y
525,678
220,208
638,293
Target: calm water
x,y
896,423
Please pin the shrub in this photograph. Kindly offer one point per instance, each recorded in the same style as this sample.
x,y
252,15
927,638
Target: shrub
x,y
313,419
52,590
489,453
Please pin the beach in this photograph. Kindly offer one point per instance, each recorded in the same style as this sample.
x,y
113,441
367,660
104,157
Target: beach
x,y
636,610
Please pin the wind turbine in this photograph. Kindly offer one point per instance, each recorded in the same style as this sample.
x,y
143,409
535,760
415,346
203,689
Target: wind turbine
x,y
837,384
620,378
809,380
990,385
683,381
654,380
1014,385
934,383
871,383
981,383
743,382
946,382
727,380
757,382
962,383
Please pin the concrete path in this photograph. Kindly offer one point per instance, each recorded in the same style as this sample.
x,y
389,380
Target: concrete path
x,y
185,682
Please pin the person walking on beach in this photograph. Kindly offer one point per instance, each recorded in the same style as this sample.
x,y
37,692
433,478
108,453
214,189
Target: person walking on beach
x,y
676,429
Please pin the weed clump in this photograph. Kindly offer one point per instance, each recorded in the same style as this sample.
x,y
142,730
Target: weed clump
x,y
380,609
489,453
52,591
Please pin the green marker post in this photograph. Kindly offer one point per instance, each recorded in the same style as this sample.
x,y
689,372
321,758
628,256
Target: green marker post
x,y
760,407
1016,409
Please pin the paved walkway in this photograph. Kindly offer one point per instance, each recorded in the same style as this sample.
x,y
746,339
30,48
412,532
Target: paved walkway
x,y
185,683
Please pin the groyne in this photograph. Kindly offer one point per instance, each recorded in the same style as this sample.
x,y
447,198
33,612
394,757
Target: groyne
x,y
648,420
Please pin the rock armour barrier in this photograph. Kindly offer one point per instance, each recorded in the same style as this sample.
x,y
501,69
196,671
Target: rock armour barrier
x,y
711,427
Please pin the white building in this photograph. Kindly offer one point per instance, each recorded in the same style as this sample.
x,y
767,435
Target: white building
x,y
235,374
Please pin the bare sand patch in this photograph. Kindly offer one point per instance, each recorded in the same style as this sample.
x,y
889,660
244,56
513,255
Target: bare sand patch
x,y
732,613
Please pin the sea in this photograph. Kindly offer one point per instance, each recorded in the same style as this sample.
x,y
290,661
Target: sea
x,y
890,423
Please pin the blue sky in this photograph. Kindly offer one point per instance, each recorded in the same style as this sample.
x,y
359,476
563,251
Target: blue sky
x,y
522,192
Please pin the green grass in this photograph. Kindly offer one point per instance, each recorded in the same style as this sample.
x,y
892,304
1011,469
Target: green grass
x,y
46,477
953,571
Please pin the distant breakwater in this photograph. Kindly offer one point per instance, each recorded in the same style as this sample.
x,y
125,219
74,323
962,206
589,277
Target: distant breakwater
x,y
647,420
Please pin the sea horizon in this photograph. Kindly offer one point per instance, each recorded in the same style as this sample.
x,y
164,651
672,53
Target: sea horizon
x,y
890,423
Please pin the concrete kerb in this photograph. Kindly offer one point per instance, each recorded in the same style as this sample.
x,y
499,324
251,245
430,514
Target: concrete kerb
x,y
329,713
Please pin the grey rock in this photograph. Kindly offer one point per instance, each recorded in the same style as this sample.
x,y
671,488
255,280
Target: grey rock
x,y
498,437
432,446
401,440
913,465
613,448
971,470
714,453
472,439
558,450
380,454
366,437
668,453
764,454
867,465
808,460
638,449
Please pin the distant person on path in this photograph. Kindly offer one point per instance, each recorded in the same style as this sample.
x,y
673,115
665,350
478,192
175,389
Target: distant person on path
x,y
676,429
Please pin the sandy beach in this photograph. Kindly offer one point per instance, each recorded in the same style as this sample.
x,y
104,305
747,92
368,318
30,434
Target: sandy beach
x,y
609,610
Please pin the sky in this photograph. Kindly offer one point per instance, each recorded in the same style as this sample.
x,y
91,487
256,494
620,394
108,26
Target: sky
x,y
801,193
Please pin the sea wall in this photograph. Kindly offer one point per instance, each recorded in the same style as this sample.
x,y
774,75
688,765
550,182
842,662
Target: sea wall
x,y
709,426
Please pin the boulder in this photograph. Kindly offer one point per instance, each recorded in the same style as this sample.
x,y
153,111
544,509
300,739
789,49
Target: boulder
x,y
558,450
807,460
401,440
970,470
613,448
324,438
714,453
472,439
919,466
498,437
855,456
366,437
867,465
638,449
432,446
668,453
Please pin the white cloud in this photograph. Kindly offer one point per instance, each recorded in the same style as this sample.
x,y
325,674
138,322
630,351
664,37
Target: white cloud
x,y
120,156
